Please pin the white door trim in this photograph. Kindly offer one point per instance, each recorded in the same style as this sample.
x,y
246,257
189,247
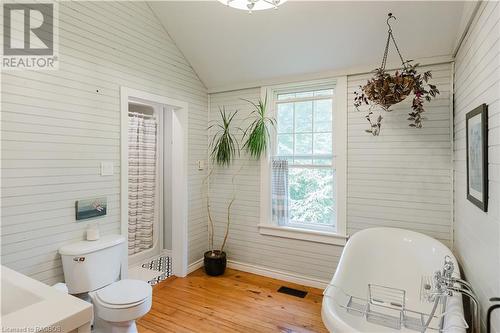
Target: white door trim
x,y
179,173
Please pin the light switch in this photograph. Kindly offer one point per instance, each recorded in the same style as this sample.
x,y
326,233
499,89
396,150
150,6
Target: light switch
x,y
107,169
201,164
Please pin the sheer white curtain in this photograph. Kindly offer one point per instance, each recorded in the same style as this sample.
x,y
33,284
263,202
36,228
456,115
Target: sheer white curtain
x,y
142,141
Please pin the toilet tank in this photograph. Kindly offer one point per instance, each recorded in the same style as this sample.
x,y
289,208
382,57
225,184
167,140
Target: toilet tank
x,y
90,265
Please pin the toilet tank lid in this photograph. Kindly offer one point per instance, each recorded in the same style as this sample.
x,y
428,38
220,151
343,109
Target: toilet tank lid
x,y
85,247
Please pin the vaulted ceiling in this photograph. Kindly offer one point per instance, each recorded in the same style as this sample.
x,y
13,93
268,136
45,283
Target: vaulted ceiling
x,y
232,48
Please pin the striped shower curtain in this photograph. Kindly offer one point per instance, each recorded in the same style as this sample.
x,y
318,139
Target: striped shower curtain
x,y
142,140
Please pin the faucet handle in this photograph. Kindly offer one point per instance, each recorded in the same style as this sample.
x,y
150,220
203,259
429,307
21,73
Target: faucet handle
x,y
448,267
431,287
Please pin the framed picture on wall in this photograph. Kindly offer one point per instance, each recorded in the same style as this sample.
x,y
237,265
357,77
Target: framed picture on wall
x,y
89,208
477,156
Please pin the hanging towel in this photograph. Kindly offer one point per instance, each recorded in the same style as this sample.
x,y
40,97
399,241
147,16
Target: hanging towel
x,y
279,191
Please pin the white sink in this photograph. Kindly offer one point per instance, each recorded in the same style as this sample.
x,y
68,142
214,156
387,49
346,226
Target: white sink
x,y
15,298
30,304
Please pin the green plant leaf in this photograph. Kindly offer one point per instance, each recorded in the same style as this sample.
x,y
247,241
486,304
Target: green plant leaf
x,y
257,135
224,145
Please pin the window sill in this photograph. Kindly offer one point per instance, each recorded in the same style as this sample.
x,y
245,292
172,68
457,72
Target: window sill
x,y
303,234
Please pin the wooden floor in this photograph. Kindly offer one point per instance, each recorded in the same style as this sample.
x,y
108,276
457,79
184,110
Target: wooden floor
x,y
234,302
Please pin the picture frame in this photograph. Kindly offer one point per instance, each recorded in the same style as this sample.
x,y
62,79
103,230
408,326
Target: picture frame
x,y
476,126
90,208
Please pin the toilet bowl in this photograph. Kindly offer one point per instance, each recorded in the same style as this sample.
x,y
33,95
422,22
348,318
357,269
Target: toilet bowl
x,y
119,304
93,271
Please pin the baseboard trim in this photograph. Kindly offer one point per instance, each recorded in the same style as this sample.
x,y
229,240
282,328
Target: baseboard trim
x,y
276,274
264,271
195,265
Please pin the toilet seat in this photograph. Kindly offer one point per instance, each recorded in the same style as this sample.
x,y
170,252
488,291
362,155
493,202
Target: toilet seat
x,y
122,301
124,293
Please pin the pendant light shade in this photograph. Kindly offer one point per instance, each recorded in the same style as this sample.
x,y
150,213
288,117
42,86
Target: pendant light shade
x,y
252,5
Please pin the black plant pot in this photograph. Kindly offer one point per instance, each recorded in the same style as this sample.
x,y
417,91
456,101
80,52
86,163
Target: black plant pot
x,y
215,262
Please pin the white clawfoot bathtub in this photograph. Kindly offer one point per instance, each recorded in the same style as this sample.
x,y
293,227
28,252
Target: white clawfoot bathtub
x,y
388,257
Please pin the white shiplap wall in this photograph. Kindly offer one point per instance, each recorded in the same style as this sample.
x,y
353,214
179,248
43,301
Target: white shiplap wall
x,y
58,125
477,81
400,179
246,245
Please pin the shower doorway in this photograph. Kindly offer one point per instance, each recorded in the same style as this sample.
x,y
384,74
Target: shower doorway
x,y
149,223
153,131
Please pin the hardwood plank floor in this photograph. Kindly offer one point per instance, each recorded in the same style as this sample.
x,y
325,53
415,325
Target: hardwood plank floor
x,y
235,302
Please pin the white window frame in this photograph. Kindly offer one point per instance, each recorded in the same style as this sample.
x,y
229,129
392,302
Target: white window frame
x,y
266,225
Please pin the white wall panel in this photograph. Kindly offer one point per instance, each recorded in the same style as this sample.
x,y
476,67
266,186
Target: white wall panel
x,y
245,243
399,179
57,126
477,81
403,177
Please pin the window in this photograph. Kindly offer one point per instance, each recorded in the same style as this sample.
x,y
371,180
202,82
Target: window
x,y
304,139
305,172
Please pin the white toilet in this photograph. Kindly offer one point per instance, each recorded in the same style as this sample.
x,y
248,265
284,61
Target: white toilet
x,y
93,268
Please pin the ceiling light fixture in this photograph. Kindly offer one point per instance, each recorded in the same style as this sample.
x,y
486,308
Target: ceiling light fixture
x,y
252,5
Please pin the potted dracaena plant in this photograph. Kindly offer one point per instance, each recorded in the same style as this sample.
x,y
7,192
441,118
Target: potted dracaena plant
x,y
225,147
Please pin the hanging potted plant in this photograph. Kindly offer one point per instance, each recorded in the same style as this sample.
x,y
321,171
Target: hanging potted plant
x,y
224,148
385,90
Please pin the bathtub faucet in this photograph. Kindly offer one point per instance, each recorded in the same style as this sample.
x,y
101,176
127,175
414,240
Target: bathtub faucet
x,y
448,267
443,279
441,285
446,284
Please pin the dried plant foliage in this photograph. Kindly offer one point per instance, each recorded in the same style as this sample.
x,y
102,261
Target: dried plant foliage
x,y
385,90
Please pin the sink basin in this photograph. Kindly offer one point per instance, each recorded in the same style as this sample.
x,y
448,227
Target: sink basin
x,y
33,305
15,298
